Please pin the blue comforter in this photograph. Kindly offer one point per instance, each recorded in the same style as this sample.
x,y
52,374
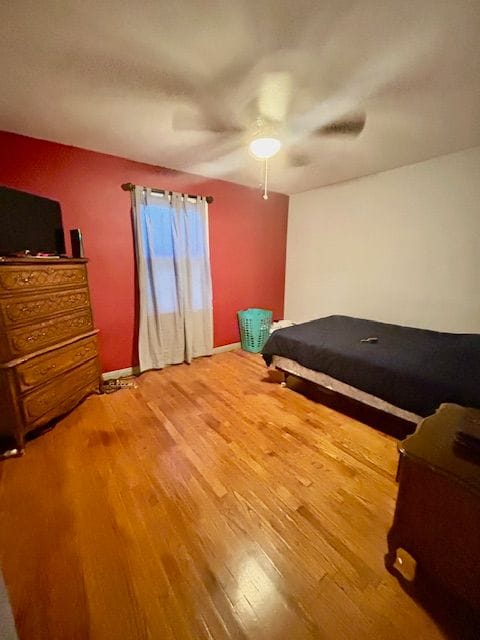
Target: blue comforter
x,y
414,369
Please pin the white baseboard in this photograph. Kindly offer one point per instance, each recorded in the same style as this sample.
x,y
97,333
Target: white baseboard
x,y
227,347
120,373
134,371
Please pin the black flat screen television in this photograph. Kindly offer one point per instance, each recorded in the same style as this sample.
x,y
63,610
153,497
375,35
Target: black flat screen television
x,y
29,224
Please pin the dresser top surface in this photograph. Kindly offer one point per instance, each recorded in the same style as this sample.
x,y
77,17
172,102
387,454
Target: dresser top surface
x,y
434,444
23,262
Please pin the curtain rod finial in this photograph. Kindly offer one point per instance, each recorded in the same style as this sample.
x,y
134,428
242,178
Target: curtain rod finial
x,y
128,186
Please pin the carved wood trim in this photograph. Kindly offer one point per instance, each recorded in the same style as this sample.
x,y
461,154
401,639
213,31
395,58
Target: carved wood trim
x,y
54,392
32,338
41,369
65,405
26,309
13,278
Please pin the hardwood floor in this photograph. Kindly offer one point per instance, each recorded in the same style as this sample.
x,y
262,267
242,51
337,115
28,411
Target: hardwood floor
x,y
208,503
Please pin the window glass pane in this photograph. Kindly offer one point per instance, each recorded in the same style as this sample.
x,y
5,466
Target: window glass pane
x,y
158,244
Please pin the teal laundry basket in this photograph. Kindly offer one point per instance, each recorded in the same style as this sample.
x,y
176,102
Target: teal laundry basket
x,y
254,328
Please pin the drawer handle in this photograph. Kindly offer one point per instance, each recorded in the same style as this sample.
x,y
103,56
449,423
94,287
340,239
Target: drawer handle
x,y
43,334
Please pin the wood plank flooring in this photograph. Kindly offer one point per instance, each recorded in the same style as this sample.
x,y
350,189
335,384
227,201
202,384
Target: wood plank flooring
x,y
208,503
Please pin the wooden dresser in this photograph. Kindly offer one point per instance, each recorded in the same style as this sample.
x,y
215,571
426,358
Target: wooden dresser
x,y
437,515
48,346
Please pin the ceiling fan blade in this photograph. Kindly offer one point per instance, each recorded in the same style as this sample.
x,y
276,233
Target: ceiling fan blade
x,y
189,118
224,165
299,159
274,96
349,127
186,119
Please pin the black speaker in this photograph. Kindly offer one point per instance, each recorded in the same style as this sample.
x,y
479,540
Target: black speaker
x,y
77,243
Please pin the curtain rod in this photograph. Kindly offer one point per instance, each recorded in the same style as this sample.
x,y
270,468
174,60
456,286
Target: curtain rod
x,y
128,186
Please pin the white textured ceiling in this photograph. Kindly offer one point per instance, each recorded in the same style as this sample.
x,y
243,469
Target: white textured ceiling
x,y
110,76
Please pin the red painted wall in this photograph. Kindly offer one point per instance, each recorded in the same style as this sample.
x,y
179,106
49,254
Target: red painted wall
x,y
247,234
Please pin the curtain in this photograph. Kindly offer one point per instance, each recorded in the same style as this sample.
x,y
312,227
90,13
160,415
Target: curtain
x,y
173,265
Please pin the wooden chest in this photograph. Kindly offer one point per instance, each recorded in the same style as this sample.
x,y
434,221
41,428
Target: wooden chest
x,y
437,515
48,346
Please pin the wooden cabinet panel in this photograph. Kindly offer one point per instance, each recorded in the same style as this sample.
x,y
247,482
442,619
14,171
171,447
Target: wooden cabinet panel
x,y
48,348
42,368
65,405
32,277
10,419
24,309
28,339
53,394
437,514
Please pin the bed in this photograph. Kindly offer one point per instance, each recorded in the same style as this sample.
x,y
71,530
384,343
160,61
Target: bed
x,y
404,371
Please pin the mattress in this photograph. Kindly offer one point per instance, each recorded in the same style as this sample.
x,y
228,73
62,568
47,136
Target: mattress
x,y
413,369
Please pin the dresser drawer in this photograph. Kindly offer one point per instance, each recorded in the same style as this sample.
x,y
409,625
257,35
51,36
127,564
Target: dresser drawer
x,y
24,309
42,368
15,278
24,340
66,405
56,394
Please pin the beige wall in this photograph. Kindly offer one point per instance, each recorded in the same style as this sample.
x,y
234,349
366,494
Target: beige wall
x,y
401,246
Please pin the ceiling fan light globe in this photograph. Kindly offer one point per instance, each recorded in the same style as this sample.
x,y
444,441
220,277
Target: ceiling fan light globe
x,y
264,148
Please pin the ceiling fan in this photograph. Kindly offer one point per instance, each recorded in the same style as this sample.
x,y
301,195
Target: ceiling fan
x,y
267,123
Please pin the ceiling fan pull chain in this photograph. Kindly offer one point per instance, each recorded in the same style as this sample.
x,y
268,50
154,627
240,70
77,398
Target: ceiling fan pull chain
x,y
265,181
